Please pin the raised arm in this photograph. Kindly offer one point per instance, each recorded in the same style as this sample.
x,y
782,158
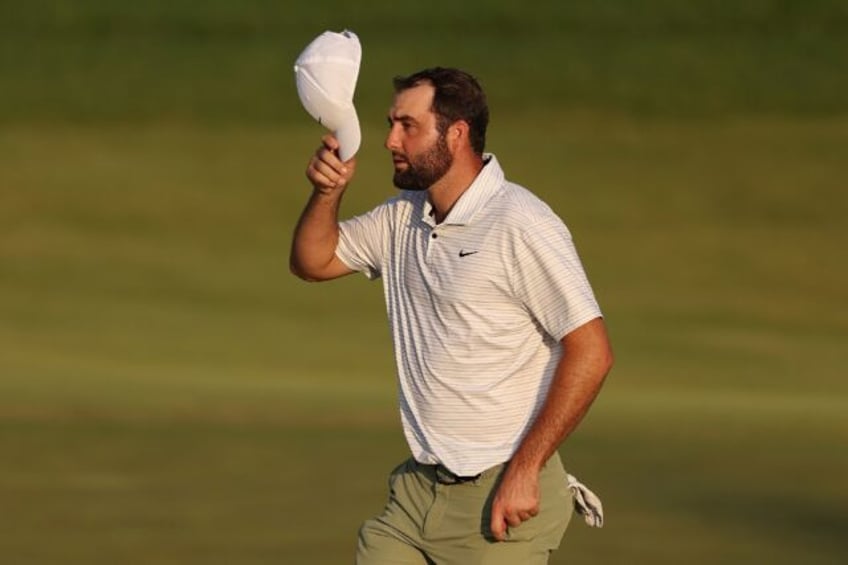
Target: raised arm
x,y
313,252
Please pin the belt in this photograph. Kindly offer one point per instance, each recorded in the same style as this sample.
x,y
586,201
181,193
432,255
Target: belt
x,y
445,476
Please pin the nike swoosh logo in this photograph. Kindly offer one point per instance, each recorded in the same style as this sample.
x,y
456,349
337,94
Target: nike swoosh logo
x,y
467,253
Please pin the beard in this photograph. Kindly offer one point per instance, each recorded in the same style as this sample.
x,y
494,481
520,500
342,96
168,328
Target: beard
x,y
424,170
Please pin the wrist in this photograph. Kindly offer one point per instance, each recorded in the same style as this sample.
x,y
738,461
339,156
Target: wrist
x,y
525,463
327,194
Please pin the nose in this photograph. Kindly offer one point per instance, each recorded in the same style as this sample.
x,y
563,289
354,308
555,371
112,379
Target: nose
x,y
392,139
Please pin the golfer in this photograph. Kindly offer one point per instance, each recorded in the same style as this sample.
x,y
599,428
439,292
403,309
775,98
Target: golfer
x,y
499,342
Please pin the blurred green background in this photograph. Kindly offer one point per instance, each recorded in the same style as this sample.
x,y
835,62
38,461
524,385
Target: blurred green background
x,y
169,394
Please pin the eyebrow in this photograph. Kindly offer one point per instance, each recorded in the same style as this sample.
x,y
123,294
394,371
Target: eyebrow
x,y
403,118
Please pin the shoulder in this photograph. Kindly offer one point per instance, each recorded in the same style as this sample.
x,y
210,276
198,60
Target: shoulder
x,y
405,204
518,208
405,200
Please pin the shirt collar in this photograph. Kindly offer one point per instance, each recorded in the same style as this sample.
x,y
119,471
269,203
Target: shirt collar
x,y
488,181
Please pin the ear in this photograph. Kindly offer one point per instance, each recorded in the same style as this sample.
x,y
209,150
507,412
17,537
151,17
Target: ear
x,y
457,135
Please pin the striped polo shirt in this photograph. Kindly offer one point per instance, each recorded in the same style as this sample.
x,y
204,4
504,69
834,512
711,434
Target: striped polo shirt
x,y
477,305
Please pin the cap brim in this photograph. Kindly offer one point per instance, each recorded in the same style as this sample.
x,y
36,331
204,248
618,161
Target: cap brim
x,y
349,136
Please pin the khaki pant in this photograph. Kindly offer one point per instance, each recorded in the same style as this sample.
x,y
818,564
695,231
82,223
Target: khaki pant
x,y
426,522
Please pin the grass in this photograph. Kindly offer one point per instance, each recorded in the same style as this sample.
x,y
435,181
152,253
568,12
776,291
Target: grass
x,y
181,60
170,394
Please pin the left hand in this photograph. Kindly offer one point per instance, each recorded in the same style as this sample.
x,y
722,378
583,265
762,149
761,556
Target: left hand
x,y
516,501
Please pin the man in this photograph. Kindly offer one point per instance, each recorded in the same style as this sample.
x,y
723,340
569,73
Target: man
x,y
499,343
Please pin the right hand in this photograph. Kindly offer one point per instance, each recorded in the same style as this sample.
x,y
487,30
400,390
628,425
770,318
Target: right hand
x,y
327,173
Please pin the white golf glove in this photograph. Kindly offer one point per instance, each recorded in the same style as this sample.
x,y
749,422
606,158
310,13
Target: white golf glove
x,y
586,503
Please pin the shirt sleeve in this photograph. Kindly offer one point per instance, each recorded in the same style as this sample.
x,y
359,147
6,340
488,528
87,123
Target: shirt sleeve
x,y
362,241
549,279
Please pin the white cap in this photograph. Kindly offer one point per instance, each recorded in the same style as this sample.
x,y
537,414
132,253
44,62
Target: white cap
x,y
326,73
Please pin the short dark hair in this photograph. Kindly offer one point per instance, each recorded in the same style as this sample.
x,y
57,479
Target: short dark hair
x,y
458,96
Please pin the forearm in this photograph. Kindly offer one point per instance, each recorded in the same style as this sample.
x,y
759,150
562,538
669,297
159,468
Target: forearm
x,y
313,251
316,236
585,362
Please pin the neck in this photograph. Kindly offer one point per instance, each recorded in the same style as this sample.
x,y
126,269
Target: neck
x,y
448,189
